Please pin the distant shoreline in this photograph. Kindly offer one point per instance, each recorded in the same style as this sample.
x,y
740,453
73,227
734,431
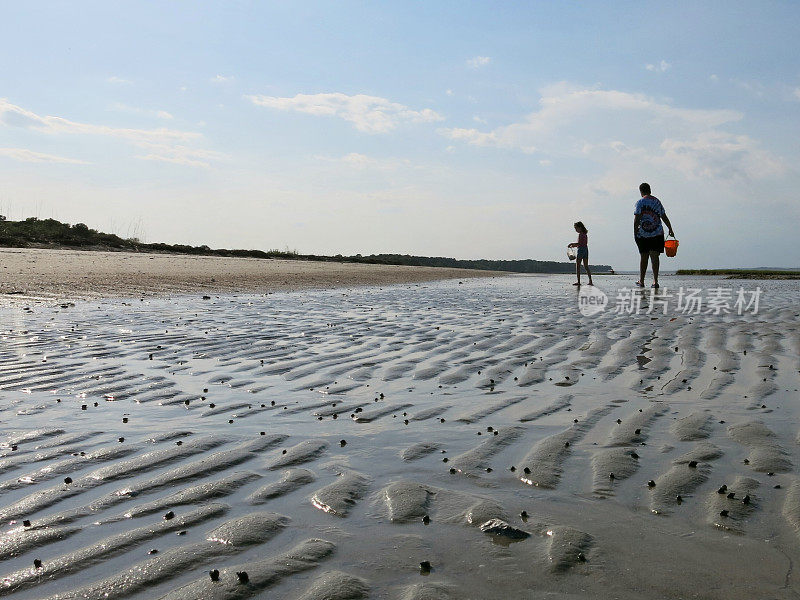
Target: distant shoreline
x,y
55,235
742,273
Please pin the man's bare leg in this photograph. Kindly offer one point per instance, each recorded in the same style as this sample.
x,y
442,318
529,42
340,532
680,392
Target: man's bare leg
x,y
654,259
642,267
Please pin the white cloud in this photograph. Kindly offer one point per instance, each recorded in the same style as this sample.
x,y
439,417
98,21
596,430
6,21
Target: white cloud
x,y
563,105
24,155
659,68
163,144
478,61
771,91
359,161
362,161
756,88
222,79
713,77
610,127
478,119
706,157
449,92
180,155
13,115
719,155
159,114
119,80
473,136
370,114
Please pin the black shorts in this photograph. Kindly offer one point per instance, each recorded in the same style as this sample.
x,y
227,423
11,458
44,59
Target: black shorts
x,y
650,244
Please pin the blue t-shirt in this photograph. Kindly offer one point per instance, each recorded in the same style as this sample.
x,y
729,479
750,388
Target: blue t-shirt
x,y
651,210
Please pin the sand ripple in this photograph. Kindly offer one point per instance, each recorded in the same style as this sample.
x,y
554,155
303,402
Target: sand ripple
x,y
386,429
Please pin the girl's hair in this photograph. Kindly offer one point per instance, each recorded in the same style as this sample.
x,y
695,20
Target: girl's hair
x,y
581,226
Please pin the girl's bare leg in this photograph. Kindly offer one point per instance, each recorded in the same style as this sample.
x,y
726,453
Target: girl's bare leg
x,y
578,270
588,272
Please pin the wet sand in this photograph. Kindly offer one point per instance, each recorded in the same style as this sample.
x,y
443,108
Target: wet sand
x,y
434,440
74,274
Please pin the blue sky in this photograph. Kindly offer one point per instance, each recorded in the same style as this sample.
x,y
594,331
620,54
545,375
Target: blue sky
x,y
441,128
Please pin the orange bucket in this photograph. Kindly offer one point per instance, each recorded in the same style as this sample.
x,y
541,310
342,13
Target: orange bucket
x,y
671,247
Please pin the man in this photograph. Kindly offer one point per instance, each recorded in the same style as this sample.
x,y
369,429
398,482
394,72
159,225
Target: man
x,y
648,232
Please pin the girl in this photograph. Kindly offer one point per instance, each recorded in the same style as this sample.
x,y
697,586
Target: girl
x,y
583,251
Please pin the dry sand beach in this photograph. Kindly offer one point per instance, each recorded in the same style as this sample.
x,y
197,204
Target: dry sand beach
x,y
69,274
425,441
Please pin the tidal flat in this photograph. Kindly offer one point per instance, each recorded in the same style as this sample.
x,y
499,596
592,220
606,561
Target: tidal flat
x,y
456,439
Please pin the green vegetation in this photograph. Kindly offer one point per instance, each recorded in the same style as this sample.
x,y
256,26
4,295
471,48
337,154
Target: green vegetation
x,y
743,273
511,266
49,233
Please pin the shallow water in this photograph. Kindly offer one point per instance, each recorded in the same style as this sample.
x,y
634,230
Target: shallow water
x,y
487,374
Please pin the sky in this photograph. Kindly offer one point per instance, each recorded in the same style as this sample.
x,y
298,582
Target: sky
x,y
462,129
